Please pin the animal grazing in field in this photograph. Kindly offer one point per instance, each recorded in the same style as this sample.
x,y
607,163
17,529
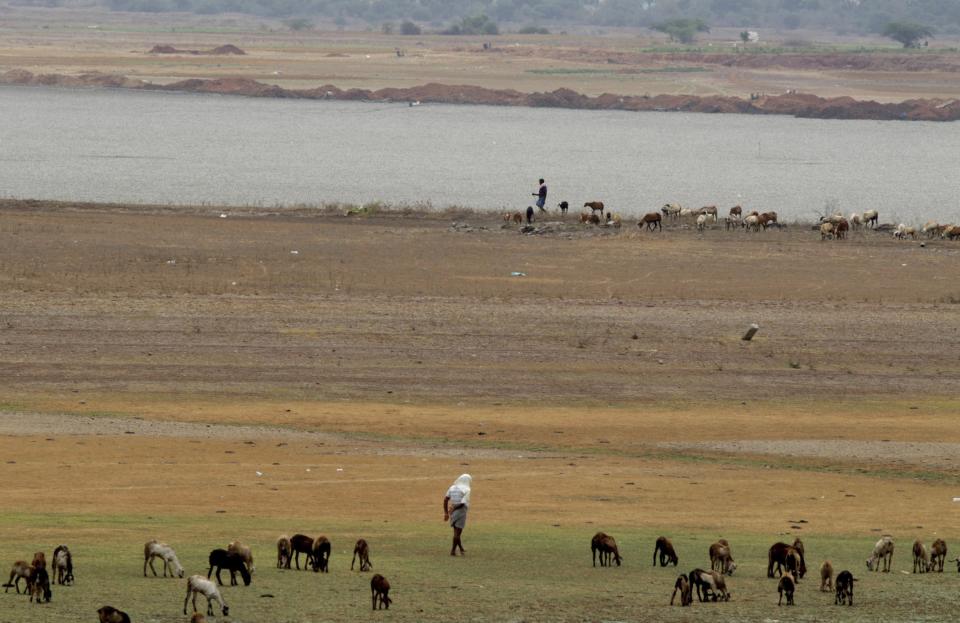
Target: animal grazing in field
x,y
153,549
950,232
883,550
902,231
652,220
930,228
736,213
20,570
507,216
517,218
40,586
682,586
920,558
786,556
238,548
870,218
701,222
39,561
938,553
826,576
752,222
361,550
595,206
671,211
826,231
284,552
710,585
199,585
529,214
221,559
687,213
109,614
844,586
856,221
709,210
321,554
564,206
302,544
667,553
607,548
380,591
62,565
840,229
720,558
767,219
786,588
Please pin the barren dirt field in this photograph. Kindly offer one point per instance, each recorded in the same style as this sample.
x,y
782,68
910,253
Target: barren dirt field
x,y
592,63
175,374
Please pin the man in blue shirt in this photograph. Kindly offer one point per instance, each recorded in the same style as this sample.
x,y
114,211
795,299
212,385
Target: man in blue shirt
x,y
541,196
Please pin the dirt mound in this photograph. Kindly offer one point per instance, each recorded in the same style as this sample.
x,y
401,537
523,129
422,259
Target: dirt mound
x,y
796,104
222,50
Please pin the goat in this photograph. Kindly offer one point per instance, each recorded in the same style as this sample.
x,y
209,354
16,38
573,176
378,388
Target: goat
x,y
595,206
826,231
20,570
39,561
787,556
682,586
710,585
671,211
855,221
302,544
222,559
840,229
720,558
710,211
321,554
62,565
362,550
236,547
607,547
652,220
826,577
564,206
40,588
667,553
882,550
938,553
153,549
921,560
109,614
786,587
379,590
752,222
199,585
844,586
870,218
284,552
517,218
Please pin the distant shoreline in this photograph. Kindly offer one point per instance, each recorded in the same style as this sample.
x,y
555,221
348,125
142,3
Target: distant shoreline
x,y
802,105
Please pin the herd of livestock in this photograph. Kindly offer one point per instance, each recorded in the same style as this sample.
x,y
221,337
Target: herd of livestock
x,y
834,226
783,560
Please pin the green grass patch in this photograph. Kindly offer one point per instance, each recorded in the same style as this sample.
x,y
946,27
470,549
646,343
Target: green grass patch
x,y
512,572
559,71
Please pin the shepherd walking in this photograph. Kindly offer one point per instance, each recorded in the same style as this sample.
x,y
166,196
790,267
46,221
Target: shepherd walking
x,y
455,506
541,196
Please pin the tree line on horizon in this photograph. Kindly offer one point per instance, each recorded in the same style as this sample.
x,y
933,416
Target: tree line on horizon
x,y
834,16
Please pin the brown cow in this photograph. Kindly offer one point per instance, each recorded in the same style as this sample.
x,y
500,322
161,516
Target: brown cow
x,y
786,556
653,220
667,553
595,206
607,547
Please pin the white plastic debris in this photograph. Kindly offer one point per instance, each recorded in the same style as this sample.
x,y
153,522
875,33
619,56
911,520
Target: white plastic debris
x,y
223,215
294,253
259,473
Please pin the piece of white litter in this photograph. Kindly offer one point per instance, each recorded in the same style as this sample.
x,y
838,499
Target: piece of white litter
x,y
222,215
339,469
956,499
233,283
294,253
259,473
903,264
308,469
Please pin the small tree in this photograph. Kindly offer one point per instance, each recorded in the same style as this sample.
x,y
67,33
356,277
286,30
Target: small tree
x,y
475,25
745,36
907,33
409,28
682,29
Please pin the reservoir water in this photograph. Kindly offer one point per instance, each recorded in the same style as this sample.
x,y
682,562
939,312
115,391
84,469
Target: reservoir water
x,y
143,147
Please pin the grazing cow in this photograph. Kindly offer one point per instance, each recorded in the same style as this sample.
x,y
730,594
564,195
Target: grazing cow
x,y
710,585
62,565
564,206
284,552
380,590
826,576
220,559
362,550
109,614
321,554
786,556
595,206
883,550
301,544
720,558
199,585
752,222
938,553
682,586
652,220
844,586
667,553
786,587
921,560
607,547
870,218
671,211
20,570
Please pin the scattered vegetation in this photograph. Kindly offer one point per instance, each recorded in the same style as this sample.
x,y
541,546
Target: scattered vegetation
x,y
474,25
682,29
908,33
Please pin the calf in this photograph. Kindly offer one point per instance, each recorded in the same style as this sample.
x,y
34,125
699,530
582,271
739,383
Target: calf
x,y
786,587
667,553
920,559
826,576
379,590
844,586
710,585
720,558
938,553
682,586
109,614
362,550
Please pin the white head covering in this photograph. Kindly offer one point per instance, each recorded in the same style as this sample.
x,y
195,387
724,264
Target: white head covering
x,y
463,483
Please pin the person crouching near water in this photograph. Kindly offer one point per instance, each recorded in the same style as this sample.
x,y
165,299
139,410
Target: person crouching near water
x,y
455,506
